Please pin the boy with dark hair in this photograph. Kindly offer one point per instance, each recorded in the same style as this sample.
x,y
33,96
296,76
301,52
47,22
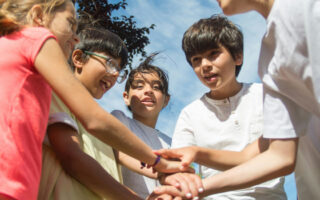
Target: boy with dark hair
x,y
146,94
229,116
76,165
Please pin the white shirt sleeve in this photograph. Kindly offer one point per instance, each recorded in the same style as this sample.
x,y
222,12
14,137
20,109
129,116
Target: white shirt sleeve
x,y
282,117
312,28
184,134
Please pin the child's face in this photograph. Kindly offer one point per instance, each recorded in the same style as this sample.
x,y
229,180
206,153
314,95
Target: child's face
x,y
63,25
145,97
215,68
231,7
92,73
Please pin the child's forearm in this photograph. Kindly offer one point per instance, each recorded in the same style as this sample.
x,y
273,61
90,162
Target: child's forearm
x,y
278,160
65,143
223,160
135,165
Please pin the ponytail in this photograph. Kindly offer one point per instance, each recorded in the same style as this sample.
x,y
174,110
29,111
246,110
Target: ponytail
x,y
8,23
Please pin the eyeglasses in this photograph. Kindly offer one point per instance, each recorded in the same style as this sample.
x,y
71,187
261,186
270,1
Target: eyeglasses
x,y
111,66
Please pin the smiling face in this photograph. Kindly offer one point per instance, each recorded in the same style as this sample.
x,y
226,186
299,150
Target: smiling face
x,y
63,25
215,68
92,72
145,97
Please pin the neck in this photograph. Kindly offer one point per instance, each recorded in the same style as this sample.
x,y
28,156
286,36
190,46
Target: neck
x,y
148,121
225,92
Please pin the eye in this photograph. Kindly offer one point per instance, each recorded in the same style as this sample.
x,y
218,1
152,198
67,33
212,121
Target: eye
x,y
72,23
156,87
213,54
195,61
137,85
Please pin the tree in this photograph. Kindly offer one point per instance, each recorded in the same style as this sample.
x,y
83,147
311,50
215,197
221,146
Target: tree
x,y
125,26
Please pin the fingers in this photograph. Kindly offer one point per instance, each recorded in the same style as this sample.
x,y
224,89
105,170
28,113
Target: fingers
x,y
189,184
154,196
168,153
167,189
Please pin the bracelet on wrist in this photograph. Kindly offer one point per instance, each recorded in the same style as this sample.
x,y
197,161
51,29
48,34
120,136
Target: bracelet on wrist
x,y
143,165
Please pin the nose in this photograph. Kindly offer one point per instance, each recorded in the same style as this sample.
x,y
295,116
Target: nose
x,y
148,89
206,64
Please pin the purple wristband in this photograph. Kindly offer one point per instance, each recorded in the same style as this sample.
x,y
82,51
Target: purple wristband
x,y
153,165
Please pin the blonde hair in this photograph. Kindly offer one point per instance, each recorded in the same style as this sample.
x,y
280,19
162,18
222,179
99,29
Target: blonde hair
x,y
16,13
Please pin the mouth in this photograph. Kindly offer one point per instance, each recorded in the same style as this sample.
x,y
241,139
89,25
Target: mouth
x,y
211,77
148,101
105,85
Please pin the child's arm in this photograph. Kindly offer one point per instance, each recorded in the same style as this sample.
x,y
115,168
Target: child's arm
x,y
134,165
278,160
188,183
217,159
65,143
52,65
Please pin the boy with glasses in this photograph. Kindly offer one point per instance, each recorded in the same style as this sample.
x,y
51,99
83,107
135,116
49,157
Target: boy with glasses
x,y
76,165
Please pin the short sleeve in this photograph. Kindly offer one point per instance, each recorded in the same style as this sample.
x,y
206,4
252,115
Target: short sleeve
x,y
184,134
282,118
312,28
59,113
121,117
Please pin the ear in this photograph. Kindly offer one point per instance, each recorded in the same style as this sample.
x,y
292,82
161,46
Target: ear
x,y
77,59
166,101
239,59
36,15
126,98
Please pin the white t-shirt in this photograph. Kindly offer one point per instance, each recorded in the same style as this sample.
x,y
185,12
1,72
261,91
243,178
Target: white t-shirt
x,y
228,124
142,185
289,68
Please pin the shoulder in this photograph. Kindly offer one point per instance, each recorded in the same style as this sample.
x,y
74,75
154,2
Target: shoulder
x,y
165,138
253,89
118,114
36,33
195,105
60,113
121,116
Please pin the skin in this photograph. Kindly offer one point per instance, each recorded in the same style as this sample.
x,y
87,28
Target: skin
x,y
92,73
279,158
145,98
217,159
215,68
63,25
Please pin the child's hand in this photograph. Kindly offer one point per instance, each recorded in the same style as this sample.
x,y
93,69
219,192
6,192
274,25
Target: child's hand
x,y
154,196
187,155
170,190
169,166
189,184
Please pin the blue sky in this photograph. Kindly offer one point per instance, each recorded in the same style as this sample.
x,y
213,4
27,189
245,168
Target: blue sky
x,y
172,18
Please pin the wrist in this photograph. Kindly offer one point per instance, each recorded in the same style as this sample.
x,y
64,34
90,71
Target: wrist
x,y
197,153
153,165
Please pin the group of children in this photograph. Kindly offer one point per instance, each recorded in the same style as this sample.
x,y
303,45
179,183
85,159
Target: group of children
x,y
61,144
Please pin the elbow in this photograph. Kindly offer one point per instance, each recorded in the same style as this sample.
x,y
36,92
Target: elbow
x,y
70,164
289,166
